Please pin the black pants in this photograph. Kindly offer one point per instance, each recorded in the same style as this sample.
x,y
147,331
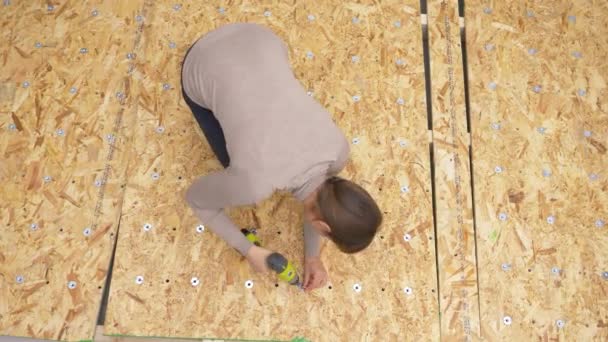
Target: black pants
x,y
210,127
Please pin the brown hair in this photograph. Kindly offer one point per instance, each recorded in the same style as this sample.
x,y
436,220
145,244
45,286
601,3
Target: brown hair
x,y
351,213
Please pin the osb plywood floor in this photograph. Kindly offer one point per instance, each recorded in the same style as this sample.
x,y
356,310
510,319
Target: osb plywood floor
x,y
91,117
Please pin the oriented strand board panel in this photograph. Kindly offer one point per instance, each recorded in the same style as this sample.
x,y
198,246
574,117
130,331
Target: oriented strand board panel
x,y
540,132
62,160
458,293
365,64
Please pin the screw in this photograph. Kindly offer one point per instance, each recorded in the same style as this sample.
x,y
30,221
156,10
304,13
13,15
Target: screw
x,y
267,14
311,17
95,13
492,85
84,50
73,90
397,24
400,101
38,45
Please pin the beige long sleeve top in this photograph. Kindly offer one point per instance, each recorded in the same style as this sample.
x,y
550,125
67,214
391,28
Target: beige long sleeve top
x,y
277,136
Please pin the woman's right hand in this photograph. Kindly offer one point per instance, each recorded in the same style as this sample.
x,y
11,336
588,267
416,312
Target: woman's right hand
x,y
257,258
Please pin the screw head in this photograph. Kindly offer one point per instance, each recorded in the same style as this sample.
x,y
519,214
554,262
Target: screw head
x,y
87,231
60,132
267,14
200,228
400,101
397,23
408,291
356,98
34,226
194,281
356,141
537,88
506,267
582,92
311,17
507,320
309,54
577,54
407,237
498,169
487,10
560,323
492,85
355,20
177,7
357,287
19,279
50,8
71,285
38,45
541,130
25,84
155,176
172,45
532,51
147,227
84,50
160,129
249,284
355,59
546,173
605,275
399,62
139,18
496,126
120,95
405,189
587,133
139,280
551,219
489,46
95,13
555,270
221,10
12,127
502,216
599,223
47,179
73,90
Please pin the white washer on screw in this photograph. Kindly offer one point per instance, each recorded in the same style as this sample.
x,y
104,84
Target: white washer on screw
x,y
407,237
195,281
357,287
71,285
147,227
249,284
507,320
87,231
200,228
139,280
560,323
408,291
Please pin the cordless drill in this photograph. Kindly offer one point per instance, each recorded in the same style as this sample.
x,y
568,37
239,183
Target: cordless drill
x,y
276,261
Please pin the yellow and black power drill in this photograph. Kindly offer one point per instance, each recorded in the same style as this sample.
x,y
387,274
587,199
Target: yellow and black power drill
x,y
276,261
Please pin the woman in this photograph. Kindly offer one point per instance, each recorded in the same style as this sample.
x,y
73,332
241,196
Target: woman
x,y
269,134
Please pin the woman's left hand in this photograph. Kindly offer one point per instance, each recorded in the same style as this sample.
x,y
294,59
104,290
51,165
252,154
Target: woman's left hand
x,y
315,274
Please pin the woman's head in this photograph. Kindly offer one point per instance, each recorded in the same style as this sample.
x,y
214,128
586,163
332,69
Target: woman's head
x,y
349,212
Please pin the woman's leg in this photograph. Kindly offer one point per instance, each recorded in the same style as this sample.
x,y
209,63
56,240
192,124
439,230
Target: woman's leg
x,y
212,130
